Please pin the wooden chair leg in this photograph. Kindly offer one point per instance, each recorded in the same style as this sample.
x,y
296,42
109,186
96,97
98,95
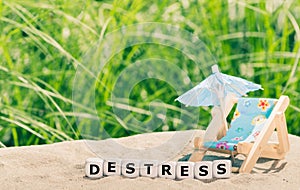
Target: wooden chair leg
x,y
232,157
197,155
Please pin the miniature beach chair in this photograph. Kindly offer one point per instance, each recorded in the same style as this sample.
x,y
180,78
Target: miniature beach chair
x,y
252,125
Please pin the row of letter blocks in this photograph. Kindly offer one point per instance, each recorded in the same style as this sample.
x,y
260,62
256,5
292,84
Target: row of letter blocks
x,y
96,168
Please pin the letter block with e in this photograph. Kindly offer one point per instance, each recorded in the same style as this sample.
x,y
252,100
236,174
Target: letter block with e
x,y
185,170
94,168
112,167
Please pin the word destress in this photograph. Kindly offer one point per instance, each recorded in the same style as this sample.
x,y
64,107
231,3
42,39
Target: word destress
x,y
96,168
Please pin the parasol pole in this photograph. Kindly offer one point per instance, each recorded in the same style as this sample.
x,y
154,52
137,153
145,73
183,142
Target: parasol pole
x,y
221,96
223,113
218,121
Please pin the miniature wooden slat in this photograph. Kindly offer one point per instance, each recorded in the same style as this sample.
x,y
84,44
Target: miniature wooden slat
x,y
270,150
282,132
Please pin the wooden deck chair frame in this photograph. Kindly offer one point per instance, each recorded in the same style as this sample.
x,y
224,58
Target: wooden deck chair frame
x,y
261,147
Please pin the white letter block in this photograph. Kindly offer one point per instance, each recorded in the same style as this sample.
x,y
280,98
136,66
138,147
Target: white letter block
x,y
203,170
185,170
131,168
222,168
149,168
94,168
112,167
167,170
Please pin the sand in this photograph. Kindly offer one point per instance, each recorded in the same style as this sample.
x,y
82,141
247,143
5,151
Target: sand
x,y
61,165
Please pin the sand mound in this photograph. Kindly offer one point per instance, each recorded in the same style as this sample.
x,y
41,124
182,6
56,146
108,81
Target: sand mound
x,y
61,165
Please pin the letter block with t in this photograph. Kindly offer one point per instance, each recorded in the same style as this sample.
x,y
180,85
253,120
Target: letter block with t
x,y
185,170
94,168
167,170
221,168
131,168
149,168
112,167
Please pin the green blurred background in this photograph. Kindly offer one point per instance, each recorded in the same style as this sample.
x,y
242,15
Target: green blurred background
x,y
42,42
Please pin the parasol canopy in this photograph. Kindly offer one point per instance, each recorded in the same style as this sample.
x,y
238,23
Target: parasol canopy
x,y
215,90
212,90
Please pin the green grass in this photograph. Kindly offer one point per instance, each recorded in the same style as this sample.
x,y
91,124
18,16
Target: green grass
x,y
42,43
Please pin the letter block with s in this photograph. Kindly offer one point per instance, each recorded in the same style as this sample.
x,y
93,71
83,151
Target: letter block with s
x,y
131,168
203,170
222,168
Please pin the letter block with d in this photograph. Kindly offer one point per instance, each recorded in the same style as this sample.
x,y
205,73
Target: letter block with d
x,y
94,168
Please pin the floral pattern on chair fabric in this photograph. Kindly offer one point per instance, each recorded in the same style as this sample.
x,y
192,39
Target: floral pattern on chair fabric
x,y
248,120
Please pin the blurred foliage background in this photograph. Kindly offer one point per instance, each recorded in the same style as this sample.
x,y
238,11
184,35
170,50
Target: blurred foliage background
x,y
42,42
